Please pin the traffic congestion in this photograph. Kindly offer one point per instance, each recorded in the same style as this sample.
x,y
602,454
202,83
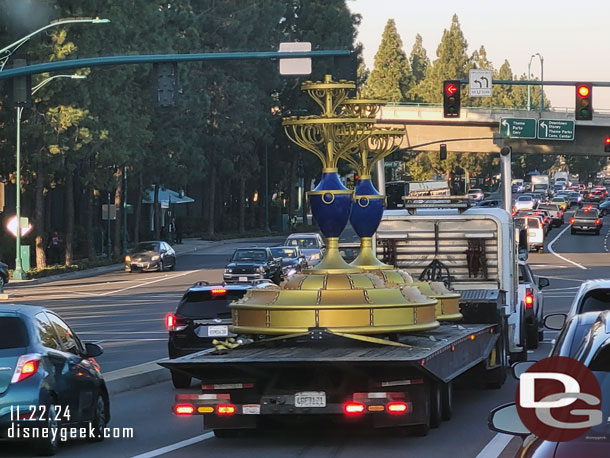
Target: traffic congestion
x,y
267,229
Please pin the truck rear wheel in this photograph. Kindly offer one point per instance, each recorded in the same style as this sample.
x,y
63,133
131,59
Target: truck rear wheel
x,y
435,405
446,401
181,380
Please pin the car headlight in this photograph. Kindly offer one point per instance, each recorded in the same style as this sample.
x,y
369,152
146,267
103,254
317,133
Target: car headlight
x,y
228,271
127,258
155,258
314,256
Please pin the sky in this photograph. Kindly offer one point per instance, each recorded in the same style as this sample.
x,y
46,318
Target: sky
x,y
572,37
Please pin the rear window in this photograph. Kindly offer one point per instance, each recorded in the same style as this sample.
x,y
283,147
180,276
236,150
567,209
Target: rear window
x,y
13,333
525,198
596,301
586,214
533,223
204,304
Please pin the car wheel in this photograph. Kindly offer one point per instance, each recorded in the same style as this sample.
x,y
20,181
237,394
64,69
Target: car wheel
x,y
446,401
435,405
161,266
572,231
181,380
47,446
173,266
98,422
532,336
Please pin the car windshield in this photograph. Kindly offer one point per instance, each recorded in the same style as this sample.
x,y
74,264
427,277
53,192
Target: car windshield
x,y
249,255
13,333
146,246
305,242
595,301
284,252
205,304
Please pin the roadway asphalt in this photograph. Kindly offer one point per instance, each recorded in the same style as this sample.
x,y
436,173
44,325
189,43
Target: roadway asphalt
x,y
128,318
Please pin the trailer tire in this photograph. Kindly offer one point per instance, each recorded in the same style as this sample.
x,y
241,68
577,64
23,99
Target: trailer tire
x,y
180,380
446,401
436,405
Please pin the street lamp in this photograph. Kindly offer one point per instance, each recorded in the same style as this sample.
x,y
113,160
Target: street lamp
x,y
8,51
529,100
18,272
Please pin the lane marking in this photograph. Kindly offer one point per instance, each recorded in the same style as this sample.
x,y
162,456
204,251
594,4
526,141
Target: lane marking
x,y
169,277
495,446
548,290
606,240
176,446
565,279
550,248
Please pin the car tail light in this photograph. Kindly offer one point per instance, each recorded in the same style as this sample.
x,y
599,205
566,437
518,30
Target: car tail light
x,y
352,409
184,409
397,407
225,409
571,220
529,298
27,365
170,321
597,222
219,291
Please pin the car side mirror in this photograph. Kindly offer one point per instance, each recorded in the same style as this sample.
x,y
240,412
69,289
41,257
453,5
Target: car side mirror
x,y
555,321
92,350
543,282
505,419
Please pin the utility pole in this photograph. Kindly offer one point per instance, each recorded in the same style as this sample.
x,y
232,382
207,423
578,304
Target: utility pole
x,y
266,191
124,209
109,238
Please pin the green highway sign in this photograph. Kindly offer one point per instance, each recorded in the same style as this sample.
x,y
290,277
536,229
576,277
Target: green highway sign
x,y
518,127
555,129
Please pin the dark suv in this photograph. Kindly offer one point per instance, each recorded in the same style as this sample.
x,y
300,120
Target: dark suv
x,y
202,315
249,264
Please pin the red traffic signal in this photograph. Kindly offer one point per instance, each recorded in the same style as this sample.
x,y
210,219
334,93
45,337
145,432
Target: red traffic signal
x,y
607,145
583,109
451,99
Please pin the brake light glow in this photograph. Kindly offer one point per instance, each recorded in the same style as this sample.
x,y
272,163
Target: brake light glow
x,y
529,298
27,365
225,409
353,408
597,222
571,220
184,409
397,407
218,291
170,321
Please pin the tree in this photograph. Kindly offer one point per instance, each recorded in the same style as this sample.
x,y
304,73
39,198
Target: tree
x,y
419,67
391,78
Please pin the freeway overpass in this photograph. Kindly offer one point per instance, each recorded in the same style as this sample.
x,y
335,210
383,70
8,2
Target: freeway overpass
x,y
477,130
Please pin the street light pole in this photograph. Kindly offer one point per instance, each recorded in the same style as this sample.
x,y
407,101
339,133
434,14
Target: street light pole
x,y
266,192
18,273
9,50
529,73
541,81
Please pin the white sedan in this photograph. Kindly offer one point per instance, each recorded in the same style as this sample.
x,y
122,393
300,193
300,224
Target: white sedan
x,y
524,203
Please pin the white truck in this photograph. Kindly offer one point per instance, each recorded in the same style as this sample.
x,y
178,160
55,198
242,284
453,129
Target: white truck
x,y
475,252
562,178
541,184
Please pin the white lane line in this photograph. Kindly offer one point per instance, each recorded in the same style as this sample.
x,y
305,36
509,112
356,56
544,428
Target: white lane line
x,y
495,446
548,290
606,240
182,274
176,446
550,248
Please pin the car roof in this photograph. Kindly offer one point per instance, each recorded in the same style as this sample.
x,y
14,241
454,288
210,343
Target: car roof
x,y
23,309
303,234
587,286
205,286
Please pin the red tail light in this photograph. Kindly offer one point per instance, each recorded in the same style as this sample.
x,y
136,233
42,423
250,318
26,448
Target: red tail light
x,y
184,409
353,408
529,298
397,407
597,222
219,291
571,220
225,409
170,321
27,365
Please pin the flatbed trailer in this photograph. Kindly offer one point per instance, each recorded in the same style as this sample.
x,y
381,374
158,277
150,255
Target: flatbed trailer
x,y
401,380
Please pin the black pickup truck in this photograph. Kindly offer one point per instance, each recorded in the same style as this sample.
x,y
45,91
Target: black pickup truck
x,y
588,220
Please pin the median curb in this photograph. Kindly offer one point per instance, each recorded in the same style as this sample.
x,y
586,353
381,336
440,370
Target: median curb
x,y
135,377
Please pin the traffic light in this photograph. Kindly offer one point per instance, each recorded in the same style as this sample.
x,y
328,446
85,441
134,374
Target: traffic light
x,y
166,76
443,152
451,99
607,145
20,89
584,102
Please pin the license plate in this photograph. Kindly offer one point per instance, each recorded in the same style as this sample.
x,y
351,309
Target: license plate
x,y
310,399
243,278
218,331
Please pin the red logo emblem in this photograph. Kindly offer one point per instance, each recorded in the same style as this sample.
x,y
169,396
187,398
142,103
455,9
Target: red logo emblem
x,y
559,399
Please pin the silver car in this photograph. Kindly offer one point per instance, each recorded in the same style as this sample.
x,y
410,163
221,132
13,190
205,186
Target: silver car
x,y
312,246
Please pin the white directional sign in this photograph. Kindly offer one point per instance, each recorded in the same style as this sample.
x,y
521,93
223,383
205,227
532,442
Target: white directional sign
x,y
479,82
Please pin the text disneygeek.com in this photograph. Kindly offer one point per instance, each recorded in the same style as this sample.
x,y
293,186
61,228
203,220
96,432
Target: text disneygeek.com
x,y
20,431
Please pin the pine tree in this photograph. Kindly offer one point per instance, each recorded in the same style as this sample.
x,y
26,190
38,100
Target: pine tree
x,y
391,78
419,66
